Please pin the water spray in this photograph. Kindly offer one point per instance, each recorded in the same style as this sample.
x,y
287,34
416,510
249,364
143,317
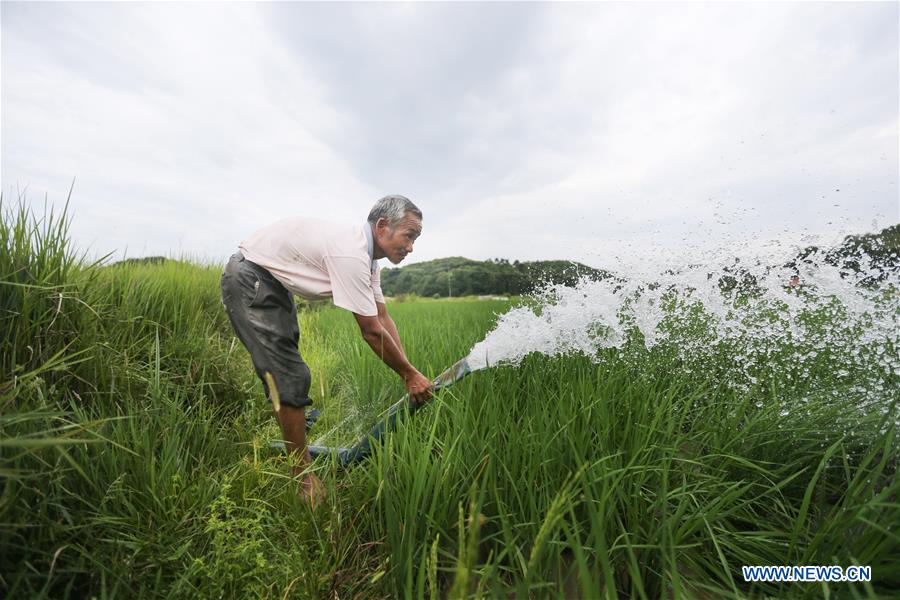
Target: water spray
x,y
786,308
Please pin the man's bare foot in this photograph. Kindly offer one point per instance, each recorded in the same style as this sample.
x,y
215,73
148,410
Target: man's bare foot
x,y
312,490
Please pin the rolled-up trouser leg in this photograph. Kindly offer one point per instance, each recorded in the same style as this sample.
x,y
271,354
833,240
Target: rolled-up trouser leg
x,y
264,317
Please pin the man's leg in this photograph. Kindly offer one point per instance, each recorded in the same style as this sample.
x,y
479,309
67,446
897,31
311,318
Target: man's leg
x,y
239,290
293,428
292,420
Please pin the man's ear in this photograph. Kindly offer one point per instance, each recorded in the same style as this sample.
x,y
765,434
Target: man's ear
x,y
382,224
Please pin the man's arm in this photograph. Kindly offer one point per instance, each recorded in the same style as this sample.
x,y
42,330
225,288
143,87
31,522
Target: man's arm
x,y
383,344
388,323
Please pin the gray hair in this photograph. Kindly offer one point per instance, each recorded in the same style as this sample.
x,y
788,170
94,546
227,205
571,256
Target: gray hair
x,y
393,208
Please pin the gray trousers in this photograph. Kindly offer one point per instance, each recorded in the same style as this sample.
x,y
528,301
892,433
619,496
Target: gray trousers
x,y
264,317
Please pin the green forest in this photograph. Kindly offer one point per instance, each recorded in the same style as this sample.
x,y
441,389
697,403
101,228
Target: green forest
x,y
459,276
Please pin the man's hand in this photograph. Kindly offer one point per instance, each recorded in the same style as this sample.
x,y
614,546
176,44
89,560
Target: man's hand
x,y
383,342
418,386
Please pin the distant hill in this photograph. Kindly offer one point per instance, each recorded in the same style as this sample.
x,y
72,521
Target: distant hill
x,y
146,260
878,253
881,249
458,276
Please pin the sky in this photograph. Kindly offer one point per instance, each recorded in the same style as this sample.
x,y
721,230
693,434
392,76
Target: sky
x,y
522,130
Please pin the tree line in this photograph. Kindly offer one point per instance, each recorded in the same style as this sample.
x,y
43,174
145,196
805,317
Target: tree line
x,y
458,276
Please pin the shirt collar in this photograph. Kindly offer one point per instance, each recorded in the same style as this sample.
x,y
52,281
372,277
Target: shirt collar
x,y
370,245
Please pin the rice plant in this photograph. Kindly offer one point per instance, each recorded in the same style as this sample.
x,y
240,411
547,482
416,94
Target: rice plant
x,y
135,460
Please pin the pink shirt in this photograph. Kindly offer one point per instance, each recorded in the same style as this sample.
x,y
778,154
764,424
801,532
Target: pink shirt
x,y
318,259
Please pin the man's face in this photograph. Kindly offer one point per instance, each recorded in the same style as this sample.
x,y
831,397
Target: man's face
x,y
396,243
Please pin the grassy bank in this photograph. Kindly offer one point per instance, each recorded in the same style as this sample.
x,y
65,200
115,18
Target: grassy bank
x,y
134,457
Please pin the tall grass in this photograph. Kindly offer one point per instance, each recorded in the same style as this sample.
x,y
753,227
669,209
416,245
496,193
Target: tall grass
x,y
134,457
128,418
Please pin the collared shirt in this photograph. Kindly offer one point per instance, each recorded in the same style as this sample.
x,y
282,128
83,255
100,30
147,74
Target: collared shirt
x,y
370,243
318,259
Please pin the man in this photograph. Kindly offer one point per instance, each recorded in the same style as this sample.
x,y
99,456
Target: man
x,y
317,259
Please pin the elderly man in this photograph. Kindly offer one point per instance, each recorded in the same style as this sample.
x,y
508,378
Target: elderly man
x,y
317,259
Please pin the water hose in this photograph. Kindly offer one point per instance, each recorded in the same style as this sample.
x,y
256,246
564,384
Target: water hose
x,y
391,419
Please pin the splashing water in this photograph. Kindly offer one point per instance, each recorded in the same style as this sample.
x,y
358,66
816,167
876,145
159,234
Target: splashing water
x,y
794,321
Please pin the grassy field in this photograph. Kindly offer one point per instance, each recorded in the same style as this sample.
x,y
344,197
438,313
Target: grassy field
x,y
134,457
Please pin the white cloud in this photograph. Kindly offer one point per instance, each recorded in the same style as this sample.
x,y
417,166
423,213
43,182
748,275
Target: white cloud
x,y
523,130
226,134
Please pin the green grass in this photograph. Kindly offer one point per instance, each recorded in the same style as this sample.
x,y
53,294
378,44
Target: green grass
x,y
134,457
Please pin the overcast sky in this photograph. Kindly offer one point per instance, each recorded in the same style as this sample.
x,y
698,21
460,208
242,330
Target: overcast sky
x,y
524,131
